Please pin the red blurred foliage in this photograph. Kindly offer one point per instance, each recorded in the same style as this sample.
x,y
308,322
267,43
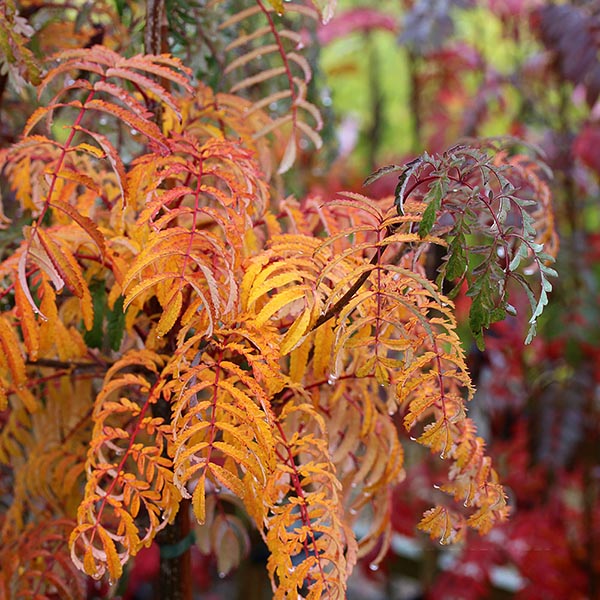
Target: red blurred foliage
x,y
361,19
586,146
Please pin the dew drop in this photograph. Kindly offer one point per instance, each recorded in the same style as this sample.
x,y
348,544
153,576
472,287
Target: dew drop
x,y
374,567
392,412
222,575
134,131
331,379
70,81
414,439
354,484
353,511
436,486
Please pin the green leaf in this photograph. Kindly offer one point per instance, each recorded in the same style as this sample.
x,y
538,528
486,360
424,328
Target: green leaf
x,y
457,262
381,172
435,195
93,337
116,324
498,314
427,220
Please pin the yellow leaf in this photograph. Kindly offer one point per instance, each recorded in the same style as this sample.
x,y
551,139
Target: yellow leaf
x,y
115,568
438,436
89,149
366,368
264,282
30,402
298,360
228,479
199,499
277,5
381,374
278,302
296,332
89,564
324,338
170,314
439,522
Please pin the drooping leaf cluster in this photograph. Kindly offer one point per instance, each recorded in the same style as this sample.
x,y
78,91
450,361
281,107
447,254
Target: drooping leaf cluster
x,y
494,212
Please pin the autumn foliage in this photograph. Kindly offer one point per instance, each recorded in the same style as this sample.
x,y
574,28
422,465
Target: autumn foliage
x,y
178,331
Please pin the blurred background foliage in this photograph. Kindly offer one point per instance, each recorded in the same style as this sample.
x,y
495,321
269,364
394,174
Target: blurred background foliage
x,y
405,77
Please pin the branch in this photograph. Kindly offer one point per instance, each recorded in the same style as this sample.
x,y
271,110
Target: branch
x,y
155,14
337,307
68,364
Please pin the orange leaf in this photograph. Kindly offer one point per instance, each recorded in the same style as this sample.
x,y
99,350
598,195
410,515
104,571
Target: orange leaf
x,y
440,522
12,352
84,222
29,326
70,272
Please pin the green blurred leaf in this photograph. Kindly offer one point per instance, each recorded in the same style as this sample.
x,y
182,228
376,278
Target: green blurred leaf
x,y
116,324
94,337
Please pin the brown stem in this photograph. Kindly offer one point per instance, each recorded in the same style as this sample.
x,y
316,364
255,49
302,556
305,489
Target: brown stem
x,y
68,364
337,307
175,573
155,15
